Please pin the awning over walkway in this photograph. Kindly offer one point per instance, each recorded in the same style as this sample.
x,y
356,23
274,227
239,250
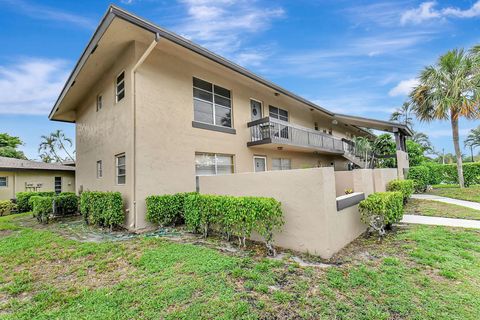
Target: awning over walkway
x,y
381,125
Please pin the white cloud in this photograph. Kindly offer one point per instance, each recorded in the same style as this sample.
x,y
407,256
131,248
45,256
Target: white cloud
x,y
472,12
223,26
403,88
426,11
31,86
50,13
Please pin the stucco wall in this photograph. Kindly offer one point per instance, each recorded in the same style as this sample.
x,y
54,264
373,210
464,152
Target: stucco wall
x,y
17,181
343,181
402,163
308,197
382,177
104,134
308,202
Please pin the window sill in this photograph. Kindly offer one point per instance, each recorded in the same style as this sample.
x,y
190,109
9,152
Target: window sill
x,y
206,126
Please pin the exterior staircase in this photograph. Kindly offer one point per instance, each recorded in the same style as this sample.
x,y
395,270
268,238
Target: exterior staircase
x,y
357,158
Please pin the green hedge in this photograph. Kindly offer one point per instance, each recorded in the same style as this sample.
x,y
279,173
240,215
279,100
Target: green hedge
x,y
167,209
66,203
24,197
233,216
6,207
42,208
421,177
381,209
431,173
104,209
406,187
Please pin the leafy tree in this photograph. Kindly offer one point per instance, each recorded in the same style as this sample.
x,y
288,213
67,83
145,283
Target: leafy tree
x,y
53,145
449,90
9,145
384,146
415,153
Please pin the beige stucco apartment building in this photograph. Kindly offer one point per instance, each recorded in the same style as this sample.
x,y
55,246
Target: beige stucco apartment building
x,y
153,111
18,175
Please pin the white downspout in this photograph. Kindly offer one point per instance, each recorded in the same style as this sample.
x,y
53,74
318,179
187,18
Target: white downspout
x,y
134,123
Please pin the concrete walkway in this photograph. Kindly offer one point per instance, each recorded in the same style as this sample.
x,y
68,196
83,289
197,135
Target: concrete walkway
x,y
463,203
438,221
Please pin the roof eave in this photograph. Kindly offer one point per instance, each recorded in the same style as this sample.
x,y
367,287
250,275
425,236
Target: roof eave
x,y
97,35
114,11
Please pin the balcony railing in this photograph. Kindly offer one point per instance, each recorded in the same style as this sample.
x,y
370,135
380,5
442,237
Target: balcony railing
x,y
270,130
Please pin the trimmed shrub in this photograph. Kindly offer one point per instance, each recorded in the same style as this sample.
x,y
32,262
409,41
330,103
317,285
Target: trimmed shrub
x,y
421,177
233,216
42,208
406,187
6,207
24,197
381,209
104,209
167,209
435,175
66,203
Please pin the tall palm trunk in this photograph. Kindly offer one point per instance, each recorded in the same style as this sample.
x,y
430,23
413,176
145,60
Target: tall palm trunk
x,y
65,149
458,153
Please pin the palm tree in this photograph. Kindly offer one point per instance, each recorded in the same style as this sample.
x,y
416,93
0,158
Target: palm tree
x,y
48,147
449,90
403,115
423,140
60,140
473,140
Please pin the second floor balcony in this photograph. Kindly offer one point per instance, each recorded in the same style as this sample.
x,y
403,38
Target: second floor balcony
x,y
272,131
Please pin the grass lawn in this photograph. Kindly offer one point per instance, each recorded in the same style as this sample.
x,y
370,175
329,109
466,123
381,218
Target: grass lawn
x,y
440,209
470,194
417,272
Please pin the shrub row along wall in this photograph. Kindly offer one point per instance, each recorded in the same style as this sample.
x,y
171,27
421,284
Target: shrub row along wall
x,y
231,216
312,222
432,173
104,209
23,203
44,207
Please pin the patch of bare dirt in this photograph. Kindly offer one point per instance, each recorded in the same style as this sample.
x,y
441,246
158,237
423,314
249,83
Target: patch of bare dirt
x,y
5,233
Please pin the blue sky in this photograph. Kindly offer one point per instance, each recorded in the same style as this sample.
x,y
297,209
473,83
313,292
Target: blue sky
x,y
355,57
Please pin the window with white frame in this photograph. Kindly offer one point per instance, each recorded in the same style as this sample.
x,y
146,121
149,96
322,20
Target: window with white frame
x,y
120,87
3,182
99,169
99,102
120,167
212,104
278,113
281,164
207,164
